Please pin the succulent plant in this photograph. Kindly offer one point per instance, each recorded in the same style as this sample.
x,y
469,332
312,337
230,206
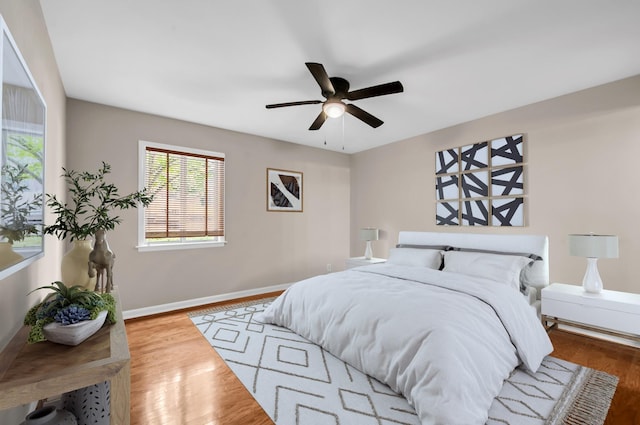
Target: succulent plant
x,y
67,305
72,314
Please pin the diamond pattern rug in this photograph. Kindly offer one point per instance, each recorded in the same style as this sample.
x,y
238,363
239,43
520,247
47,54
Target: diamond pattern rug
x,y
298,383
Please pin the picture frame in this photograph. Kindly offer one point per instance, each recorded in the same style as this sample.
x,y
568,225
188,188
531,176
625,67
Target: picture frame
x,y
482,184
284,190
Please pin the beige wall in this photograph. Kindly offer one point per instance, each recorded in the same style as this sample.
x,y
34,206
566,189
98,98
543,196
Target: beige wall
x,y
582,155
25,21
264,249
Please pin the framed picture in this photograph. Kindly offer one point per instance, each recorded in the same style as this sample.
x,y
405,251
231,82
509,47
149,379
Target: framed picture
x,y
284,190
482,184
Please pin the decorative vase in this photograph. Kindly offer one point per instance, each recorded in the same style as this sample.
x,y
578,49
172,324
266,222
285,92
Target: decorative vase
x,y
8,257
91,405
75,333
49,415
75,265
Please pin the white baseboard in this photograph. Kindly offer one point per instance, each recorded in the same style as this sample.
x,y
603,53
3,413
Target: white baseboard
x,y
164,308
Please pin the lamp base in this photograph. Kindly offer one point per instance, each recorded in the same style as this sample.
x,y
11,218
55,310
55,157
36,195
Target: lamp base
x,y
368,253
592,283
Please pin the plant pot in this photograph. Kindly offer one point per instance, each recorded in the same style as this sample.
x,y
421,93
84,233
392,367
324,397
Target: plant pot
x,y
75,265
73,334
8,257
49,415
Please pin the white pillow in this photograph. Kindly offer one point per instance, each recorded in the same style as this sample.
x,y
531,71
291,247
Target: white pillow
x,y
430,258
500,268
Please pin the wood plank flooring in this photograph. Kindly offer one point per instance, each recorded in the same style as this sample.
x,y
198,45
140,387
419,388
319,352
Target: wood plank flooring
x,y
177,378
620,360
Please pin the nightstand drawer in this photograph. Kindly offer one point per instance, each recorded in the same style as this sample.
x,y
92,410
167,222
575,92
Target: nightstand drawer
x,y
620,321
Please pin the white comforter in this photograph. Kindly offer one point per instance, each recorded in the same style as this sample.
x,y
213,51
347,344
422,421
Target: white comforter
x,y
445,341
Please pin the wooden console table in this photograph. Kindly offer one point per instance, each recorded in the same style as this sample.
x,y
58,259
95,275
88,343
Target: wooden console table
x,y
31,372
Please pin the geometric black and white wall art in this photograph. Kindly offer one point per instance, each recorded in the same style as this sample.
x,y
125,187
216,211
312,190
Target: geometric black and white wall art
x,y
447,213
481,184
474,157
447,161
284,190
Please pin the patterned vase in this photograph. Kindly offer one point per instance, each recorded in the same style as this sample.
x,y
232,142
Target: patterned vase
x,y
75,265
90,405
49,415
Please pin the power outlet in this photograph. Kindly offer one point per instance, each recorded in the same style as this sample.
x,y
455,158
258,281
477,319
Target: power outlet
x,y
329,268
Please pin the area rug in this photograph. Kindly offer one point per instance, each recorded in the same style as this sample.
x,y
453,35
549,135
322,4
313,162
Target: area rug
x,y
298,383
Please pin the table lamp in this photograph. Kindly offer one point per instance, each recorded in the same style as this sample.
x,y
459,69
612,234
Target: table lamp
x,y
368,234
592,247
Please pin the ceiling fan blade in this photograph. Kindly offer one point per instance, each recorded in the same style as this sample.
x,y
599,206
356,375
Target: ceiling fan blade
x,y
379,90
322,78
364,116
304,102
319,121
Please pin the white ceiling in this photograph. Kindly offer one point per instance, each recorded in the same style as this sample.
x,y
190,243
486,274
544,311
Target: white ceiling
x,y
220,62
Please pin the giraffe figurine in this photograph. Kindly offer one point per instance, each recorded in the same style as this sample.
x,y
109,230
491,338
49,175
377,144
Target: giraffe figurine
x,y
101,261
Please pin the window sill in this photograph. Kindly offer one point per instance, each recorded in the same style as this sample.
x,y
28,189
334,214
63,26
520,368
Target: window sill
x,y
179,246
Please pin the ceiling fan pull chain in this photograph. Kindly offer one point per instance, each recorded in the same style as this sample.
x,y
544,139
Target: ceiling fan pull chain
x,y
343,132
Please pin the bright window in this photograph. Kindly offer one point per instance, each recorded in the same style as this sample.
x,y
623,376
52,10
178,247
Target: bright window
x,y
188,197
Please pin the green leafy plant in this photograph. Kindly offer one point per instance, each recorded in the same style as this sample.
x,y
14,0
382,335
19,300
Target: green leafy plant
x,y
65,305
91,205
15,207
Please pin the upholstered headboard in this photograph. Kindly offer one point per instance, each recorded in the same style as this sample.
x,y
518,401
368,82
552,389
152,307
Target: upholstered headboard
x,y
537,276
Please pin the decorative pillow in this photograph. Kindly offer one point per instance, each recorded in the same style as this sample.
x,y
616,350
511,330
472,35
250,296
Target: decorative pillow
x,y
419,257
500,268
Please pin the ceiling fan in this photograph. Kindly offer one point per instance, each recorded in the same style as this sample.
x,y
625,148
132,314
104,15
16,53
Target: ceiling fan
x,y
335,90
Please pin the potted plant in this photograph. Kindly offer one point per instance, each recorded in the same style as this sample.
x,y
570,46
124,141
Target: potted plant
x,y
15,212
69,315
92,206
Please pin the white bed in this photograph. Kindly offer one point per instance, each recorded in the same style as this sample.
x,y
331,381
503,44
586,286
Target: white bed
x,y
446,339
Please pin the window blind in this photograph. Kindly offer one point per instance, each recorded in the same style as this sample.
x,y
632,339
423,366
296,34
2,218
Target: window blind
x,y
188,194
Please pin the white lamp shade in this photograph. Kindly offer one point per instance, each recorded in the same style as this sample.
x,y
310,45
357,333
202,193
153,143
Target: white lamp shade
x,y
369,234
334,109
593,246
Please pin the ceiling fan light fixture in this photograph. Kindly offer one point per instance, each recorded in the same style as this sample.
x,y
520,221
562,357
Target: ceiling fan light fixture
x,y
335,90
334,109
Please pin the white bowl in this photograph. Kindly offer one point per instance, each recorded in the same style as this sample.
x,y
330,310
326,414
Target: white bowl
x,y
73,334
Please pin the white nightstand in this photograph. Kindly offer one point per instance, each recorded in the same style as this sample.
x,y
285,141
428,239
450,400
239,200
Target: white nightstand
x,y
609,312
361,261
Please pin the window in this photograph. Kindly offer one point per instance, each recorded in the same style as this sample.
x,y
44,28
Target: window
x,y
188,197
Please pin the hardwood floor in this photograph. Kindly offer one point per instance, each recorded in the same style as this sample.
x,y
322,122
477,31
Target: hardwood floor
x,y
619,360
177,378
